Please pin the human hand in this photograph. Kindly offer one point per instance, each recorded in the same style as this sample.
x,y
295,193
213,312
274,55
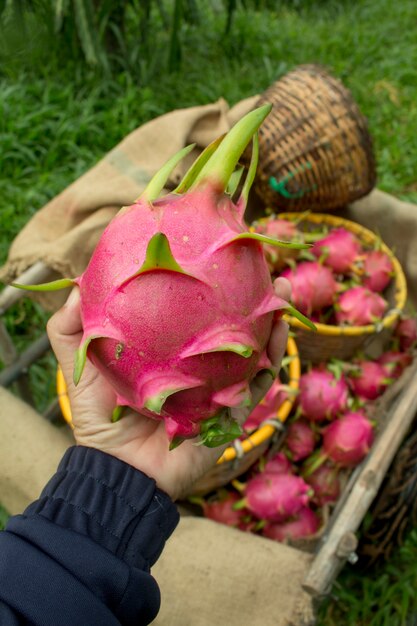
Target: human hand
x,y
135,439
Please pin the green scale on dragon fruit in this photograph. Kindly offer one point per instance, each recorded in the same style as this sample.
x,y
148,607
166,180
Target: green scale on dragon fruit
x,y
177,302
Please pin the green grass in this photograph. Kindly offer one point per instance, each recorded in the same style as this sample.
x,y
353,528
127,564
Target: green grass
x,y
57,119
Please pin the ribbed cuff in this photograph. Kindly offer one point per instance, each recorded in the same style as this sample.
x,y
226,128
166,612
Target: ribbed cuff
x,y
119,507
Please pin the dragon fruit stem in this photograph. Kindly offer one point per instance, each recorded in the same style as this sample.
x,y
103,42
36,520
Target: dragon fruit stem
x,y
221,165
158,181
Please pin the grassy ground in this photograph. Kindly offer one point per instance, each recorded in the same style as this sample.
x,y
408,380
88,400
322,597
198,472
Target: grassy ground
x,y
57,120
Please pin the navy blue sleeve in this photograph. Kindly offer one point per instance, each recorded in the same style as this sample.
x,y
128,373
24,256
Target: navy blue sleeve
x,y
82,553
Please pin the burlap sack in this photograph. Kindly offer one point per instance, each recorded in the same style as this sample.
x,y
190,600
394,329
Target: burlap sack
x,y
208,574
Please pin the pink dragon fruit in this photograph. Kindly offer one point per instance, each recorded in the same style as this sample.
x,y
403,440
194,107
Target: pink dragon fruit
x,y
339,250
304,524
268,407
177,301
406,332
378,270
368,379
275,497
321,395
300,440
313,286
222,510
360,306
325,483
347,440
279,464
279,229
394,363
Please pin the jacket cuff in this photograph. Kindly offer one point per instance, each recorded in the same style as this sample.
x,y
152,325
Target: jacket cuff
x,y
116,505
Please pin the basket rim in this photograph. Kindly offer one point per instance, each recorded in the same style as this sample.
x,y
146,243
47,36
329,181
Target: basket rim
x,y
400,296
255,439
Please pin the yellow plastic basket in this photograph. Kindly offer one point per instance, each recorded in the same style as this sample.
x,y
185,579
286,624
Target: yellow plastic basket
x,y
343,341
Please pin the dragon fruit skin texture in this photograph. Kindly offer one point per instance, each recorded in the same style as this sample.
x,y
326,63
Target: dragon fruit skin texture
x,y
313,286
347,440
378,270
276,497
300,440
369,381
360,306
304,524
321,395
406,333
339,248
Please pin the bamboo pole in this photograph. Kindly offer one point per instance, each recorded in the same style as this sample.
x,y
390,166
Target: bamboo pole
x,y
340,542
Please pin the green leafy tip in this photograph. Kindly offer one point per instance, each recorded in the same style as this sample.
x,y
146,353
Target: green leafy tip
x,y
244,196
238,348
156,402
117,413
222,163
197,166
300,317
159,256
219,430
272,242
175,442
80,358
158,182
55,285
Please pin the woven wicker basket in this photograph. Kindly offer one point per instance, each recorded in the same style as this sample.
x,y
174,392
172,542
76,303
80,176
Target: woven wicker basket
x,y
342,342
315,149
237,458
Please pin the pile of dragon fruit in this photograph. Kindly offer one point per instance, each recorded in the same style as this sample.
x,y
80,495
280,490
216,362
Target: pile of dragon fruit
x,y
338,280
288,494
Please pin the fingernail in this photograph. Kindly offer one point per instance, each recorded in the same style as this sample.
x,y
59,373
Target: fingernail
x,y
73,298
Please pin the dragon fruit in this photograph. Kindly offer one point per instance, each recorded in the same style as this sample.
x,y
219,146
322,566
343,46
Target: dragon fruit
x,y
406,332
304,524
339,250
222,511
360,306
325,483
347,440
313,286
279,464
279,229
321,395
177,301
300,440
394,363
378,270
268,406
368,379
275,497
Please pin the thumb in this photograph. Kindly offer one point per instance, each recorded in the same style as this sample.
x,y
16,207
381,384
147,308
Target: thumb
x,y
65,332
